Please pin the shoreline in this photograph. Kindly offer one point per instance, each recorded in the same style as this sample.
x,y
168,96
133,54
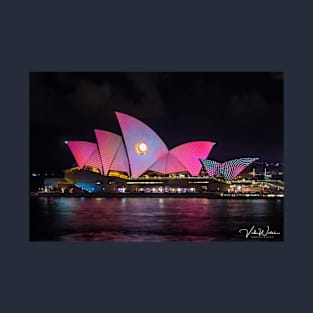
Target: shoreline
x,y
157,195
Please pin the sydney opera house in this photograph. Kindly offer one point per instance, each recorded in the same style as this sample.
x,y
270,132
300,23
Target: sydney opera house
x,y
138,160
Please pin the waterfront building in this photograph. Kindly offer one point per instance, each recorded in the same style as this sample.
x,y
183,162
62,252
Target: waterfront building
x,y
139,161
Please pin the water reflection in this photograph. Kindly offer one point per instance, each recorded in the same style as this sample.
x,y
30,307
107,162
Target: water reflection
x,y
149,219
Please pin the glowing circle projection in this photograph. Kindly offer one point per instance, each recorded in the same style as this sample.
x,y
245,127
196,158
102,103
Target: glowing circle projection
x,y
141,148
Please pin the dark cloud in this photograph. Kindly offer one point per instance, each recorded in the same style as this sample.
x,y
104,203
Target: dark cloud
x,y
245,107
80,95
42,98
151,104
91,98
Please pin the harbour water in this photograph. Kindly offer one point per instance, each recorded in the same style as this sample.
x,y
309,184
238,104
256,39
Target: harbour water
x,y
155,219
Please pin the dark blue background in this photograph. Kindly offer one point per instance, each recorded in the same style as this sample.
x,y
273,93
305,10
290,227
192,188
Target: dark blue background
x,y
218,277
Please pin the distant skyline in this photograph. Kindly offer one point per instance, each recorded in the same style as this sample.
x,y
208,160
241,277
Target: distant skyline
x,y
241,112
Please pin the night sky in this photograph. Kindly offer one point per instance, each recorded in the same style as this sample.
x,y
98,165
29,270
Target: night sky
x,y
241,112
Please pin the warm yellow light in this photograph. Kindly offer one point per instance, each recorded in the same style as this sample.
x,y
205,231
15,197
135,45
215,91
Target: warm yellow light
x,y
141,148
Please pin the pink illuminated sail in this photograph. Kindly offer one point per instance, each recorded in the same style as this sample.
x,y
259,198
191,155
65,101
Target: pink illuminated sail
x,y
160,165
168,164
173,165
82,151
95,161
143,145
120,161
189,154
109,144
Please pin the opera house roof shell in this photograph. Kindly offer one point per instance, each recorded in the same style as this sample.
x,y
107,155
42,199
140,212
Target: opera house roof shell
x,y
137,151
229,169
